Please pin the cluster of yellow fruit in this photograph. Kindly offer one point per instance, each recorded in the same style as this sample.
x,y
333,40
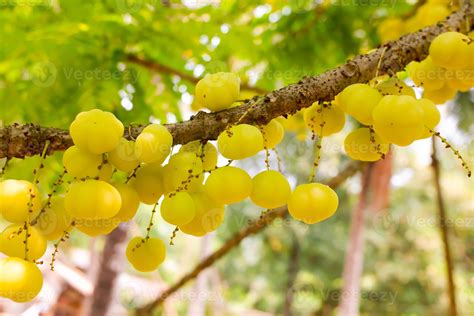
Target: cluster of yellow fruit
x,y
389,112
427,14
269,189
448,68
96,202
395,117
20,279
387,107
193,191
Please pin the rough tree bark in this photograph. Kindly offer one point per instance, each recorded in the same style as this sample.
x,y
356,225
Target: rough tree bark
x,y
27,140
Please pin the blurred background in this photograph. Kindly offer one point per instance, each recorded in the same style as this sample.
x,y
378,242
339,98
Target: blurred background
x,y
141,59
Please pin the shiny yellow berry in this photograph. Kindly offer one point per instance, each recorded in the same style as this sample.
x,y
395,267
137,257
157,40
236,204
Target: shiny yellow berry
x,y
312,203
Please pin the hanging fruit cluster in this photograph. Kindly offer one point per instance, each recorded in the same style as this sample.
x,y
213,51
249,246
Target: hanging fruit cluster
x,y
448,68
109,175
428,13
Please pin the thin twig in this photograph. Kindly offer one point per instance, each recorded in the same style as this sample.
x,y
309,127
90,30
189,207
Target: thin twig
x,y
156,66
444,230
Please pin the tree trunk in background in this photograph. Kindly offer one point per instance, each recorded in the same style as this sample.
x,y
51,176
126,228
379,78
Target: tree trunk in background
x,y
200,290
444,231
349,305
293,267
107,274
217,304
92,272
380,183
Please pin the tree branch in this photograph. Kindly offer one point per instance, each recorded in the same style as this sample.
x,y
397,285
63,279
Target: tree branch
x,y
155,66
233,242
28,140
443,226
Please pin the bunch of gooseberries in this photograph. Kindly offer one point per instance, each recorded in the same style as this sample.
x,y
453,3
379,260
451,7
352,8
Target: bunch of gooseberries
x,y
387,109
447,69
428,13
110,175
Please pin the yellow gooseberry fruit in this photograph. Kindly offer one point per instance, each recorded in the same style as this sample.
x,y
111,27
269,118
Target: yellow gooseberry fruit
x,y
178,209
312,203
394,86
20,280
459,79
451,50
273,134
80,163
96,131
12,244
183,172
206,152
54,220
440,96
427,74
153,144
92,199
326,120
431,117
228,185
270,189
208,217
240,141
146,255
148,183
19,200
359,100
359,146
130,202
398,119
123,156
217,91
390,29
430,13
